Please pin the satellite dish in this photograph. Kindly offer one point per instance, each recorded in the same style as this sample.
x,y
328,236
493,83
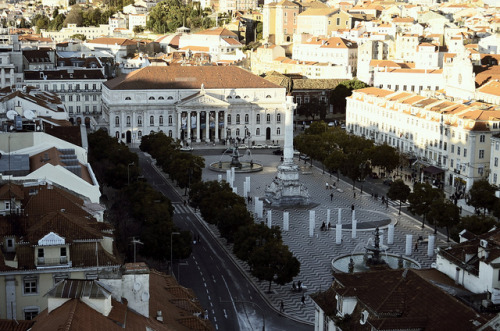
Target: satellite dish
x,y
137,286
29,114
145,296
11,114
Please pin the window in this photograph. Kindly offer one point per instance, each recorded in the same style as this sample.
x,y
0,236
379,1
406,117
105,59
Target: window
x,y
278,131
151,98
338,20
161,98
94,109
117,121
30,285
77,98
127,98
246,118
70,98
139,121
30,313
278,118
258,118
268,118
161,120
268,96
10,243
139,134
481,153
87,109
480,171
152,120
453,148
465,152
229,119
238,119
87,98
257,132
170,119
71,109
63,98
169,98
458,150
482,138
128,120
496,162
451,163
298,100
237,132
306,99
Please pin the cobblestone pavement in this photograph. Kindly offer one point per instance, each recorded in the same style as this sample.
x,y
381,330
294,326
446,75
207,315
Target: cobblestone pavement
x,y
317,252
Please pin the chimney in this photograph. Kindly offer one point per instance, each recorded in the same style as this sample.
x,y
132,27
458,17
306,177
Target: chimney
x,y
159,316
457,275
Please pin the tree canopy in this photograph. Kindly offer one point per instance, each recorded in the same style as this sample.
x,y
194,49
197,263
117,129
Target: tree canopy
x,y
342,91
399,191
482,195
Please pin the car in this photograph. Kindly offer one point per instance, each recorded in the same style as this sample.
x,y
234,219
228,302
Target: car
x,y
388,182
242,146
259,146
304,157
186,149
296,152
342,126
331,124
273,146
278,151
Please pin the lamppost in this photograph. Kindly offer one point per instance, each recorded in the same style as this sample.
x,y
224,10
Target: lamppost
x,y
128,172
171,251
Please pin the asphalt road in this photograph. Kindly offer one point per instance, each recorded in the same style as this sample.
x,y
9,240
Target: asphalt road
x,y
232,302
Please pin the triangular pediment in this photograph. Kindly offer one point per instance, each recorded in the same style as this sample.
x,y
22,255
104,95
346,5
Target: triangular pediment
x,y
51,239
201,99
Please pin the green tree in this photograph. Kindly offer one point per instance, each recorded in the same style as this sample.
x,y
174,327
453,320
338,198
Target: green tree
x,y
444,213
312,109
384,156
57,23
399,191
232,219
334,161
138,29
75,16
41,21
250,236
273,262
342,91
477,224
482,195
421,199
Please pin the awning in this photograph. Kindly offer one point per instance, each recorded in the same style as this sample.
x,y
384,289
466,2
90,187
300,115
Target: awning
x,y
433,170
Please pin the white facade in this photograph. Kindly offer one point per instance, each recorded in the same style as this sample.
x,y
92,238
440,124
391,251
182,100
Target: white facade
x,y
412,80
193,114
136,20
335,50
438,132
90,32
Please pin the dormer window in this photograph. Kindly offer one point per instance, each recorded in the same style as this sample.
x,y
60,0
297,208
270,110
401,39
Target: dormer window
x,y
170,98
127,98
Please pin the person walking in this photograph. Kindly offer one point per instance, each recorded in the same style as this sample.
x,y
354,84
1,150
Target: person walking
x,y
352,208
416,246
282,307
331,196
299,284
303,300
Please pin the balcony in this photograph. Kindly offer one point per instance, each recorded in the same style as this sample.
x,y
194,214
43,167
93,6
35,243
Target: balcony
x,y
53,262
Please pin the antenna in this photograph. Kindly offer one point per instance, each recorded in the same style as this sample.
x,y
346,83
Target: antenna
x,y
135,242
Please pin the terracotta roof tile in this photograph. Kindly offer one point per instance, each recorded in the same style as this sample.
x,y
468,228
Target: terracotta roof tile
x,y
218,31
185,77
112,41
492,87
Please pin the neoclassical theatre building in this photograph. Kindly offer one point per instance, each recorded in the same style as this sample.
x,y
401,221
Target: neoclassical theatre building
x,y
195,104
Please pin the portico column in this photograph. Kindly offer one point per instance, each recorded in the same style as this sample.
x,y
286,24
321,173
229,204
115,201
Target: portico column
x,y
224,130
3,78
198,126
179,124
188,126
216,126
207,126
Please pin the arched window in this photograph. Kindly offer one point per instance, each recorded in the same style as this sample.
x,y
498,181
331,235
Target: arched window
x,y
278,118
258,118
117,135
139,121
229,119
128,120
246,118
170,120
151,98
237,97
268,96
237,132
257,132
170,133
246,97
127,98
161,119
161,98
278,131
139,134
152,120
169,98
117,121
268,118
238,119
229,97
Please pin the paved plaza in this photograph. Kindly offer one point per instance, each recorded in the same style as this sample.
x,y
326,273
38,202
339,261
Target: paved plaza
x,y
316,252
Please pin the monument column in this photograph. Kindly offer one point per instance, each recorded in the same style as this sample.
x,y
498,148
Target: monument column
x,y
188,126
207,126
198,126
216,126
288,143
179,124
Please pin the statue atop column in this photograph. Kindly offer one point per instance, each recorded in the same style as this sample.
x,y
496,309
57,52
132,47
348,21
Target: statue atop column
x,y
286,189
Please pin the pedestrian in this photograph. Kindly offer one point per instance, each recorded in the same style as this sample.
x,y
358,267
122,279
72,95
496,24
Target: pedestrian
x,y
460,210
323,226
334,184
303,300
206,314
299,284
328,226
331,196
416,246
354,195
294,287
282,306
352,208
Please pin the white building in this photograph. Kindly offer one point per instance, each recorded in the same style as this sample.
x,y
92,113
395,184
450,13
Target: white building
x,y
90,32
137,20
207,103
453,138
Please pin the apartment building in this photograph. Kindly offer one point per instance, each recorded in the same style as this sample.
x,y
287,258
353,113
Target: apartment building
x,y
453,138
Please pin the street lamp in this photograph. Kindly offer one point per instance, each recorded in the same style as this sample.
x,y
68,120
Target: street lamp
x,y
171,251
128,172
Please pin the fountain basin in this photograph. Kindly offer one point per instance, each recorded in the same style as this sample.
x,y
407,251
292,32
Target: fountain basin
x,y
246,167
341,264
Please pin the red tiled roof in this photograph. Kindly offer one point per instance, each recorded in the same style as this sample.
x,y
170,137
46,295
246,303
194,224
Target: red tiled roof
x,y
186,77
112,41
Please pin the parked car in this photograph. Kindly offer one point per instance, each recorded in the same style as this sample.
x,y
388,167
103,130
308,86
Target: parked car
x,y
296,152
259,146
278,151
304,157
242,146
186,149
273,146
388,182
